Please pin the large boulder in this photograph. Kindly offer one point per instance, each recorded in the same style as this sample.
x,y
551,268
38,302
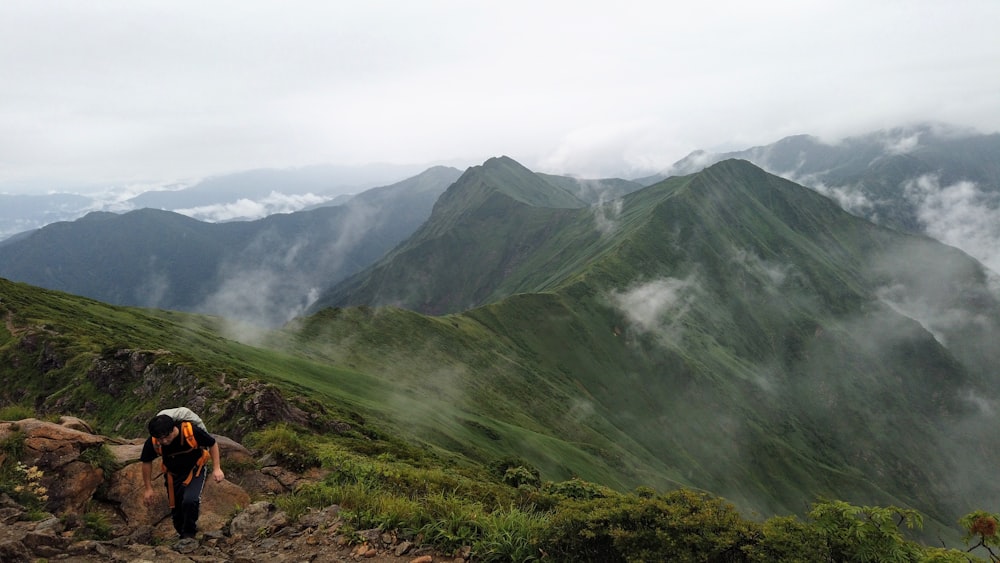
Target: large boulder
x,y
49,445
55,451
218,501
70,481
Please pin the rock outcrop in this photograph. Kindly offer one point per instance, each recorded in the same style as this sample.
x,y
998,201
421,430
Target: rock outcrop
x,y
76,478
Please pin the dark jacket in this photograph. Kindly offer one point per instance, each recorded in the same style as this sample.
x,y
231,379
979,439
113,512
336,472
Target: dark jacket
x,y
178,456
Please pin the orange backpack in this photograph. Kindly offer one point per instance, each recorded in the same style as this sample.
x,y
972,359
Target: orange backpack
x,y
187,434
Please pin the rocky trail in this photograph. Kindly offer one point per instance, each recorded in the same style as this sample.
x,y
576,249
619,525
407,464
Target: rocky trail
x,y
237,522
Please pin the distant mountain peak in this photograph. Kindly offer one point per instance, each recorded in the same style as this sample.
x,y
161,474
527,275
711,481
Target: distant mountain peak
x,y
508,178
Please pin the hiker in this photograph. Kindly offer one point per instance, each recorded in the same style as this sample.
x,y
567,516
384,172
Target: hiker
x,y
184,448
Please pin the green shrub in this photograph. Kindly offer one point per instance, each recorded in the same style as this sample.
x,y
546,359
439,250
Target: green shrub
x,y
453,522
16,412
102,458
510,534
96,525
577,489
286,445
866,533
786,538
521,476
13,447
678,526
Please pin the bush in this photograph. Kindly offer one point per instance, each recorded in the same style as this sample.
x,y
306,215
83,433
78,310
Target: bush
x,y
521,476
286,445
16,412
679,526
786,538
577,489
97,525
510,534
866,533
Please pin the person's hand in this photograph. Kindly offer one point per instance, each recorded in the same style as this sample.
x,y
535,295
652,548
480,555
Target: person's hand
x,y
219,475
148,496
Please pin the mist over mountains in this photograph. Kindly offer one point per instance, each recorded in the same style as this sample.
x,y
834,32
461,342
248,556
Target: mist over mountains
x,y
244,195
933,179
727,329
264,271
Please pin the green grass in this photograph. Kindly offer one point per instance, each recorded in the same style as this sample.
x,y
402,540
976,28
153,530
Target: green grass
x,y
579,521
781,375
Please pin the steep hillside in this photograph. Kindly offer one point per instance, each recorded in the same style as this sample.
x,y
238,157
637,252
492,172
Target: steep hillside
x,y
885,176
727,330
593,190
263,271
743,331
484,227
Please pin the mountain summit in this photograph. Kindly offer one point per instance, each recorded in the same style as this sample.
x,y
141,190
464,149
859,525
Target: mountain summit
x,y
727,329
480,232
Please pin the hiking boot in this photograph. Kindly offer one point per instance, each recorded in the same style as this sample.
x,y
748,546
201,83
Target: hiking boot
x,y
186,545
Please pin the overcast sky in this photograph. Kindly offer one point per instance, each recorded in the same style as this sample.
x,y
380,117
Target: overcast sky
x,y
147,91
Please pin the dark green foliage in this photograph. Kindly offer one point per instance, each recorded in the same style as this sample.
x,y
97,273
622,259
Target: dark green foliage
x,y
678,526
515,471
577,489
786,538
16,412
96,525
866,533
286,445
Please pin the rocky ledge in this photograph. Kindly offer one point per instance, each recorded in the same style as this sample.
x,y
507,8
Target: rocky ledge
x,y
238,523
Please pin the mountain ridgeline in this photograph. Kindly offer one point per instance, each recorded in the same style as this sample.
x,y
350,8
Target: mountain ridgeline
x,y
264,271
727,330
893,177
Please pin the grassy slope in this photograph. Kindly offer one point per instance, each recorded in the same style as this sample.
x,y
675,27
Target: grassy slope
x,y
766,392
781,375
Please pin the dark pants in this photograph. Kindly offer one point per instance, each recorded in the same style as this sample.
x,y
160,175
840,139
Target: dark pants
x,y
187,503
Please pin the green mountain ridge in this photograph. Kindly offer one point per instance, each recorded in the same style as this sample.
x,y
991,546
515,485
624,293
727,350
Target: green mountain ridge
x,y
727,330
874,175
500,197
731,306
259,271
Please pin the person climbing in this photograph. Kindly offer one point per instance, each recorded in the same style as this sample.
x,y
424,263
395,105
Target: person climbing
x,y
184,448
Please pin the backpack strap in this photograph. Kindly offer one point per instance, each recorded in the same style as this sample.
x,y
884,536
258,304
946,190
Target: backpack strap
x,y
187,434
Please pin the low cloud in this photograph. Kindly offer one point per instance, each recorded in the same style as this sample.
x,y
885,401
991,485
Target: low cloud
x,y
902,144
935,318
243,208
263,296
960,215
274,279
851,198
606,215
775,274
657,307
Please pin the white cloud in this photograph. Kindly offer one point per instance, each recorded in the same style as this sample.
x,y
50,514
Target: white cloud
x,y
902,144
606,215
657,307
248,209
129,91
961,215
850,198
775,274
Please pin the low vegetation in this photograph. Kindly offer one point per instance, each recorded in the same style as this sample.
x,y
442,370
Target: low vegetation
x,y
524,519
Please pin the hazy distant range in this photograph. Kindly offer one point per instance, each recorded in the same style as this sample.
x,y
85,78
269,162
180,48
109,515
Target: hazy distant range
x,y
240,196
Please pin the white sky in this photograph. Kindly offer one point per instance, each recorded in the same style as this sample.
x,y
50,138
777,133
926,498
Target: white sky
x,y
140,90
